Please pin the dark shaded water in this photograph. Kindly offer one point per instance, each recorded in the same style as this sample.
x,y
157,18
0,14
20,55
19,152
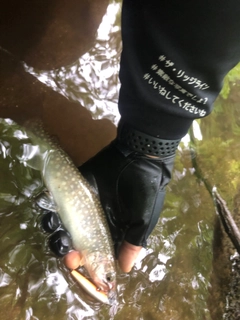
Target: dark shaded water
x,y
93,79
172,278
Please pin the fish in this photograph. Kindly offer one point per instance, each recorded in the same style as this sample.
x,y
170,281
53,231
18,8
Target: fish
x,y
77,205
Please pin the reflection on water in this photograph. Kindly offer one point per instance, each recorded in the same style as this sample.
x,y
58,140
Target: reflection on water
x,y
93,79
171,279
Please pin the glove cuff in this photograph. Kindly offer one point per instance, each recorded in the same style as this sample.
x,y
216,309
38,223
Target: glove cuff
x,y
144,143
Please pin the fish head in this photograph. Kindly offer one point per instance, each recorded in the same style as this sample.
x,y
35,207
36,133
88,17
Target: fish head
x,y
102,270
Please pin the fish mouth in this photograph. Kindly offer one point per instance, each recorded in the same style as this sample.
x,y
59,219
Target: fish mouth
x,y
104,286
108,288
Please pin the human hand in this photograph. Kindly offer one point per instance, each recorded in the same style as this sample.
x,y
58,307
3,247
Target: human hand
x,y
131,186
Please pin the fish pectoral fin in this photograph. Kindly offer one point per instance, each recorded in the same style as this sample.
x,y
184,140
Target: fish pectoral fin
x,y
45,201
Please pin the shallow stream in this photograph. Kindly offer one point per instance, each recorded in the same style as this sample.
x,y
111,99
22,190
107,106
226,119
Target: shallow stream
x,y
171,279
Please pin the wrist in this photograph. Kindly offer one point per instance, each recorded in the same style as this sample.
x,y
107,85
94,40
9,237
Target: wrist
x,y
141,142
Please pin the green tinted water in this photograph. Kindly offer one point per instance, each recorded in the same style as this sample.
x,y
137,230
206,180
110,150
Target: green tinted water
x,y
171,280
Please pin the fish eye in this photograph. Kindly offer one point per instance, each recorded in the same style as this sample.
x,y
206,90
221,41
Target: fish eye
x,y
109,277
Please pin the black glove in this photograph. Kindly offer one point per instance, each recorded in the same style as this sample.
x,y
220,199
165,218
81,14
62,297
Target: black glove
x,y
131,185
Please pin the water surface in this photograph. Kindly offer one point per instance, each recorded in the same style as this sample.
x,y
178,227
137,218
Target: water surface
x,y
172,278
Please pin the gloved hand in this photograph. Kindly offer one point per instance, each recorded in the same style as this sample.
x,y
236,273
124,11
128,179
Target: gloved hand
x,y
131,184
